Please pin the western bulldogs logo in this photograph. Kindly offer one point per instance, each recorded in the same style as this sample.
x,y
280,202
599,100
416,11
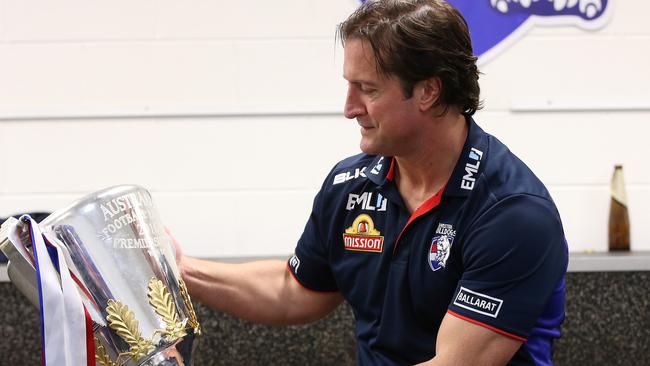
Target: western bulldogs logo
x,y
496,24
439,252
587,9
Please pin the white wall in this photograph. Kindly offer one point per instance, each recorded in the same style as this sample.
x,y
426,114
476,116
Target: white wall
x,y
229,112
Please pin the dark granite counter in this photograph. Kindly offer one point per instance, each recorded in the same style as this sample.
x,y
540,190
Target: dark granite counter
x,y
608,323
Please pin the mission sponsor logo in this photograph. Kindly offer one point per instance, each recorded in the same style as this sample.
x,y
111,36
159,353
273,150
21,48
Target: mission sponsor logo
x,y
349,175
471,169
478,302
362,236
441,246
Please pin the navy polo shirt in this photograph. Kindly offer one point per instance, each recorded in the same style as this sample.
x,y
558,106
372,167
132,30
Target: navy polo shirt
x,y
488,249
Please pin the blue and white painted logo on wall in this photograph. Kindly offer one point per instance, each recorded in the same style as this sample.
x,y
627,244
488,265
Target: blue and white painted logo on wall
x,y
496,24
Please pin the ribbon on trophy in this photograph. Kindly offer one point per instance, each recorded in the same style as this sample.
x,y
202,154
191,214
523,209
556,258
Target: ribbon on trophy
x,y
66,326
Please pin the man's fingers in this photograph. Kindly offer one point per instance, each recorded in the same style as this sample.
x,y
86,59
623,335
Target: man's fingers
x,y
178,253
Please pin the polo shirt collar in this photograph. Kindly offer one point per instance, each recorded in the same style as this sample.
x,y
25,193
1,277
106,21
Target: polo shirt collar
x,y
470,164
380,170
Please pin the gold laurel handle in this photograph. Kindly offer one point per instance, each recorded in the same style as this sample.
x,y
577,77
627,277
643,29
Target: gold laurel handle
x,y
163,305
102,358
192,321
123,322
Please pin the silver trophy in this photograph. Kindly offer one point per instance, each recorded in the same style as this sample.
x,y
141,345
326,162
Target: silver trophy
x,y
125,267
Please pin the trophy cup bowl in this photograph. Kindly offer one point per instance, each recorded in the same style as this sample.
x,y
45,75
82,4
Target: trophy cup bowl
x,y
124,265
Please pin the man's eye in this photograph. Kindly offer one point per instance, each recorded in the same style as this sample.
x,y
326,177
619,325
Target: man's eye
x,y
367,90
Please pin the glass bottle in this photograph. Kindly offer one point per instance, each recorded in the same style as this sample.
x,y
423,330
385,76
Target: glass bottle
x,y
619,220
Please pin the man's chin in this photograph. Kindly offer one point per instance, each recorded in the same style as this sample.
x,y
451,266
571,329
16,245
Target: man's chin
x,y
369,148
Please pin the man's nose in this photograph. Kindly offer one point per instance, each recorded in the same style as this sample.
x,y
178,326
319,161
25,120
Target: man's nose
x,y
353,105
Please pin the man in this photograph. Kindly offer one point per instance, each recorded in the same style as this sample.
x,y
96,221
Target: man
x,y
446,246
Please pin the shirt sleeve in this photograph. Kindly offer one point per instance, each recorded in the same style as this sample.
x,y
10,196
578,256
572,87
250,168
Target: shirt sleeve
x,y
513,257
310,262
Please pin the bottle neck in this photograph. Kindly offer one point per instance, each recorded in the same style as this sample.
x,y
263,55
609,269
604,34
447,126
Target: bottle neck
x,y
618,187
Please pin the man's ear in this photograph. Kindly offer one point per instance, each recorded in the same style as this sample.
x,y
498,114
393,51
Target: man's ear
x,y
428,93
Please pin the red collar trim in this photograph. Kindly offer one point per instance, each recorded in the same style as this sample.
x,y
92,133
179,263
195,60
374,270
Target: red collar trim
x,y
391,171
427,206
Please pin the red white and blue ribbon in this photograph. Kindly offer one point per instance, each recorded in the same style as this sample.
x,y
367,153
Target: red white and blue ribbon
x,y
66,328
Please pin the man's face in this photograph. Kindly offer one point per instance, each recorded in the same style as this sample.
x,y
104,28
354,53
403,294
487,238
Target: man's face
x,y
388,121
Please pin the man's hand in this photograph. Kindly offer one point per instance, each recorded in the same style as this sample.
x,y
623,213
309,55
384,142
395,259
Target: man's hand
x,y
261,292
178,251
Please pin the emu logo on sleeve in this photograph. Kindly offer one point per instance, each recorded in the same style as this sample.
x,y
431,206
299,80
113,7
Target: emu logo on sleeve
x,y
362,236
478,302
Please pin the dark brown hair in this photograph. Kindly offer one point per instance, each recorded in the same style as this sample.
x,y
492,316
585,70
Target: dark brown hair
x,y
416,40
